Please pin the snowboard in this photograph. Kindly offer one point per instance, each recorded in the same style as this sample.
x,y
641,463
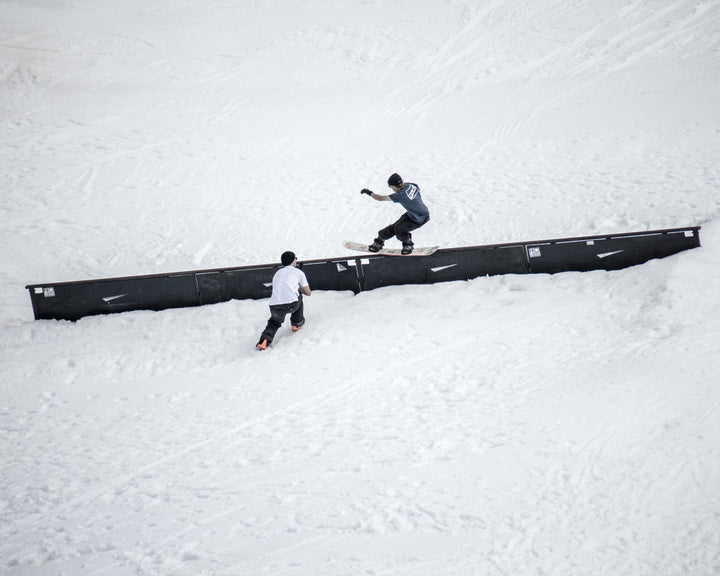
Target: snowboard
x,y
427,250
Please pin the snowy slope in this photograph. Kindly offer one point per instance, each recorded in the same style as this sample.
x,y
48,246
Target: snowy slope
x,y
559,425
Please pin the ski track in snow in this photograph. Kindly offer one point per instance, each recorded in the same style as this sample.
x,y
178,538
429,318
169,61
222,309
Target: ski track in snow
x,y
562,424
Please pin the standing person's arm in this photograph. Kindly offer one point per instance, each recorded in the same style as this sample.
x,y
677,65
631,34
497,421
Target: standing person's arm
x,y
303,284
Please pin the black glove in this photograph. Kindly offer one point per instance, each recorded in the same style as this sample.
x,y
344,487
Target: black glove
x,y
366,191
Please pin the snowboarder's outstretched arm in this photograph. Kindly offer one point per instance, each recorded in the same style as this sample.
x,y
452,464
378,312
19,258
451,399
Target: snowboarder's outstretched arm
x,y
378,197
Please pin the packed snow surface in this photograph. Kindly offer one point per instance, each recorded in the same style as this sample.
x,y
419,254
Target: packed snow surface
x,y
510,425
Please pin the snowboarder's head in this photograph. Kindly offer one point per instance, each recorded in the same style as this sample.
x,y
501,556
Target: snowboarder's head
x,y
287,258
395,180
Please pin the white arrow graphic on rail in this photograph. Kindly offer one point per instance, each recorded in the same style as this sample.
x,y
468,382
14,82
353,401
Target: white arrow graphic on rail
x,y
109,299
442,268
606,254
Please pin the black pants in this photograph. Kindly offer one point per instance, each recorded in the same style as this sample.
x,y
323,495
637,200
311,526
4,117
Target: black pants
x,y
277,317
401,229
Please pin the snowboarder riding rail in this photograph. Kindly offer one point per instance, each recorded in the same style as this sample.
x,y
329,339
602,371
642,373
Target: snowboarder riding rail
x,y
408,195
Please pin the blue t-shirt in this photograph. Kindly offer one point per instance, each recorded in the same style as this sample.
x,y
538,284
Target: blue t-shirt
x,y
409,197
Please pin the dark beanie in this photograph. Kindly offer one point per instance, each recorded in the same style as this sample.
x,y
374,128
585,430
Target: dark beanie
x,y
395,180
287,258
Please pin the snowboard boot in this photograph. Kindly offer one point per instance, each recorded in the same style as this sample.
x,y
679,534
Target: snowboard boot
x,y
377,245
407,249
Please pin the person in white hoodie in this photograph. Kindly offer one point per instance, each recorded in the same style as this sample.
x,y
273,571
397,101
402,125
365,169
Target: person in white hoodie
x,y
288,286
